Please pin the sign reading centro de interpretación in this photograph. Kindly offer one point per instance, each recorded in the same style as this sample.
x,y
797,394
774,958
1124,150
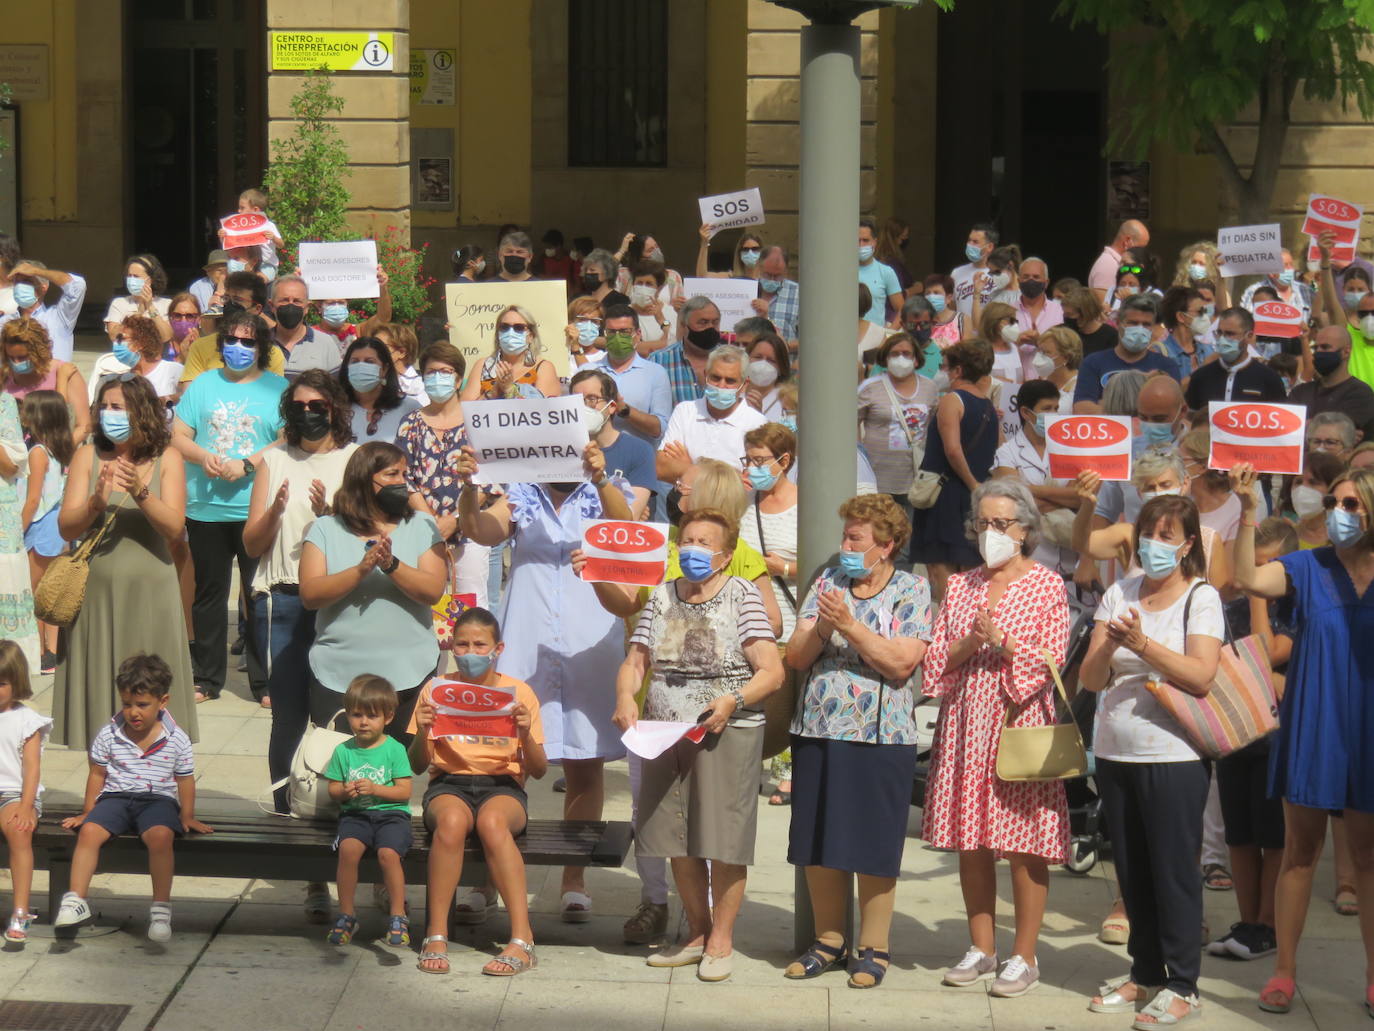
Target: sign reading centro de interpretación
x,y
337,51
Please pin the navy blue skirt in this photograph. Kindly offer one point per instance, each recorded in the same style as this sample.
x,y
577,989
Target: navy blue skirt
x,y
850,804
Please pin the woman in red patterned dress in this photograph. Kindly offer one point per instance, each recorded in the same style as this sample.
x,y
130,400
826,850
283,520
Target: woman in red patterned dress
x,y
985,660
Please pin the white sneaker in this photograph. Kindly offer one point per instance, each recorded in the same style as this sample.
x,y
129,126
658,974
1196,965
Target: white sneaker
x,y
974,967
73,912
160,922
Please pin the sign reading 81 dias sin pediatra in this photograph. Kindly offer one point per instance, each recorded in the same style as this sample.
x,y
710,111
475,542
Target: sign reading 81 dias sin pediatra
x,y
1270,437
337,51
528,440
1095,443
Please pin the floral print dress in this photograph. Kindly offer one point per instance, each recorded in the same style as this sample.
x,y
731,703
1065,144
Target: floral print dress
x,y
16,596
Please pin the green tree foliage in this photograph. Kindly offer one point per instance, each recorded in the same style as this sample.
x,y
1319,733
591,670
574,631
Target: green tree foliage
x,y
305,180
1185,69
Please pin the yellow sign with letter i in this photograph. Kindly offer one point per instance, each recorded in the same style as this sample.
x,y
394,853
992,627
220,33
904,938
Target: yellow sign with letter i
x,y
337,51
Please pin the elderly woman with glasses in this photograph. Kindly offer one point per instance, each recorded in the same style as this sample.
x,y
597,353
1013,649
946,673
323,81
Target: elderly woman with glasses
x,y
986,664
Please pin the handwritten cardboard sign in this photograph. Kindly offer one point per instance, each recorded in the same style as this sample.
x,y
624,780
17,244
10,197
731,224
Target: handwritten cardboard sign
x,y
1271,437
472,310
732,210
625,552
342,269
1276,319
1341,217
528,440
1098,443
471,710
1249,250
248,229
734,297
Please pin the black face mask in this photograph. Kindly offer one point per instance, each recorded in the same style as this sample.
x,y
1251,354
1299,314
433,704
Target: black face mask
x,y
310,425
591,282
672,501
705,339
1326,362
232,308
565,487
921,334
393,500
1071,323
1032,288
289,316
514,264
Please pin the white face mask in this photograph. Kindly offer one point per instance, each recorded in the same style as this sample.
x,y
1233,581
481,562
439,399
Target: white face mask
x,y
901,365
1011,333
641,295
999,281
1200,325
762,374
1367,325
942,381
1043,365
1146,495
996,548
1307,501
594,419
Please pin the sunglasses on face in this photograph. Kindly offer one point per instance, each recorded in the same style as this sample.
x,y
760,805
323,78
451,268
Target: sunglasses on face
x,y
519,327
1349,504
245,341
317,406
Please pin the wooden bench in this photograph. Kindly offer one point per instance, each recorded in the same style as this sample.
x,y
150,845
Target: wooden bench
x,y
252,844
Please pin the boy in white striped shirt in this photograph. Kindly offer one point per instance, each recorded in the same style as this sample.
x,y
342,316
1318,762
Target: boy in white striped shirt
x,y
141,781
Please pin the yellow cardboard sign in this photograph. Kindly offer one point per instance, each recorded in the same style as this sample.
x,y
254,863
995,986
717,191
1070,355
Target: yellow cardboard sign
x,y
473,308
337,51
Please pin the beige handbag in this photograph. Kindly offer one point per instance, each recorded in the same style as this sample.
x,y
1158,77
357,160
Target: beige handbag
x,y
1053,752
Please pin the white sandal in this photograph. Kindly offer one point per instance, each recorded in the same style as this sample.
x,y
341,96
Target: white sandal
x,y
1114,1002
577,907
1159,1009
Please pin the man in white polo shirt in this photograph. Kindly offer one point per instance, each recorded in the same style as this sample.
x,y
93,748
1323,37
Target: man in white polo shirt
x,y
712,426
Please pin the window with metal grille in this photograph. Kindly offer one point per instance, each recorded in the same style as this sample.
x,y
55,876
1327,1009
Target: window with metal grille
x,y
618,83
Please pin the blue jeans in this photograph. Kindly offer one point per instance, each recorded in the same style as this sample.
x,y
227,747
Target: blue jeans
x,y
284,630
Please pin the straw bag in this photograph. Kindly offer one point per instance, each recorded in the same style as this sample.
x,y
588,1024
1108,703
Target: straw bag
x,y
62,589
1054,752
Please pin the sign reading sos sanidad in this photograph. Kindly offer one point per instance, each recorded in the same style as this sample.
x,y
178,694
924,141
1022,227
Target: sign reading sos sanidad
x,y
471,710
625,552
1270,437
1096,443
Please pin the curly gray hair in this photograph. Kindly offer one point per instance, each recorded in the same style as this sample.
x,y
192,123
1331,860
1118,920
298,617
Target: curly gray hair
x,y
1027,514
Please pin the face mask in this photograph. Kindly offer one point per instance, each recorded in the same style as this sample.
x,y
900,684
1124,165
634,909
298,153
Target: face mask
x,y
1210,310
310,425
114,425
937,301
1146,495
865,252
1343,527
595,420
1200,325
1127,291
134,284
641,296
125,354
749,257
942,382
181,327
1196,271
973,252
1157,558
591,282
790,421
514,264
1032,288
25,295
1228,350
704,339
550,252
1286,277
471,664
1157,434
393,500
22,368
672,504
721,398
231,308
334,314
901,366
587,332
269,272
1307,501
998,281
289,315
620,345
996,548
364,376
1043,365
770,286
695,561
480,267
239,356
1367,324
1136,338
439,385
1040,422
1352,299
511,341
763,374
762,477
852,564
1326,362
1011,333
237,265
655,255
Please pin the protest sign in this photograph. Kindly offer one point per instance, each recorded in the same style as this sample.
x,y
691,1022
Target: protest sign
x,y
345,270
1249,250
734,298
625,552
649,739
1341,217
471,710
1100,443
1276,319
528,440
1270,437
244,230
732,210
472,310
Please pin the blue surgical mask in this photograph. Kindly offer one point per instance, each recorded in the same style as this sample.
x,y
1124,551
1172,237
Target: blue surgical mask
x,y
790,421
1197,272
937,301
1157,434
695,561
114,425
239,357
1136,338
1352,299
473,664
21,368
721,398
364,376
1343,527
335,314
762,477
1157,558
1040,422
587,332
770,286
439,385
1286,277
1228,349
512,341
973,252
749,257
852,564
865,252
134,284
237,265
25,295
124,354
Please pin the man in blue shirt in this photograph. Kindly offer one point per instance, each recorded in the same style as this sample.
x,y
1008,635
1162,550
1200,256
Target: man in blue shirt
x,y
685,360
31,280
1138,316
881,281
645,395
779,300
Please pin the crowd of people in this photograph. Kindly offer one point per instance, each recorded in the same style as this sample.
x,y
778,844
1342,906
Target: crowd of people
x,y
242,424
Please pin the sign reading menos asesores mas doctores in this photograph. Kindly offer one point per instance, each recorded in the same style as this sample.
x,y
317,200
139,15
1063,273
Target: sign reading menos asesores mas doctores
x,y
337,51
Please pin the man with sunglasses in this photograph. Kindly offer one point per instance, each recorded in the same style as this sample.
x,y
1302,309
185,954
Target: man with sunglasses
x,y
1334,389
1102,278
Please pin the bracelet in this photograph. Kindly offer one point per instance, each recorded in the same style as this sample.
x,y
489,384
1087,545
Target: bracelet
x,y
601,483
738,696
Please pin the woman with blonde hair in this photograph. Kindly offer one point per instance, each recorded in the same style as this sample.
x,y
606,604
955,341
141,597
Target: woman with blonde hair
x,y
744,265
1198,262
515,368
1085,315
404,346
583,335
1060,353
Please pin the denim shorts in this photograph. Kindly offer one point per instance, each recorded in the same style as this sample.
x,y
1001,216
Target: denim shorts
x,y
376,829
474,790
135,812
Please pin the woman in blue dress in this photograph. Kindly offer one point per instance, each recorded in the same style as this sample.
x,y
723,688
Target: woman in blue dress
x,y
1322,760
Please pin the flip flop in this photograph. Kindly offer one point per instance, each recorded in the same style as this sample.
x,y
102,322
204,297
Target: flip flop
x,y
1347,903
1216,877
1277,995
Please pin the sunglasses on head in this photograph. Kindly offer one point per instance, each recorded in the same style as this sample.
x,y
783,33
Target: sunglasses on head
x,y
317,406
1349,504
1134,270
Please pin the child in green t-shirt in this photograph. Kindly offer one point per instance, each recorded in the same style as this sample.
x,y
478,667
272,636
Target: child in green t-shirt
x,y
370,777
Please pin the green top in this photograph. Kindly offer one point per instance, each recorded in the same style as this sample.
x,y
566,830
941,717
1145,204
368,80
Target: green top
x,y
384,763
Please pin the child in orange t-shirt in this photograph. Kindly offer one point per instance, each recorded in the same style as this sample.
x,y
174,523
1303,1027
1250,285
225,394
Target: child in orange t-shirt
x,y
478,781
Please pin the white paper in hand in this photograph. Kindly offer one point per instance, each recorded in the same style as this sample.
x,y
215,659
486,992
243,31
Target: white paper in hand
x,y
649,739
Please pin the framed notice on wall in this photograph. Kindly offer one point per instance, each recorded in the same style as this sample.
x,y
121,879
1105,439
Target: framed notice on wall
x,y
9,170
1128,190
432,167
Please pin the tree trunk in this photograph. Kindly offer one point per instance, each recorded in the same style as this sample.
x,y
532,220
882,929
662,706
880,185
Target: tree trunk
x,y
1253,194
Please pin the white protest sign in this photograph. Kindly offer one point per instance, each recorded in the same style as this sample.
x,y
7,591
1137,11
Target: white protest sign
x,y
1249,250
1099,443
247,229
1270,437
625,552
649,739
346,269
471,710
528,440
472,310
732,210
734,298
1340,217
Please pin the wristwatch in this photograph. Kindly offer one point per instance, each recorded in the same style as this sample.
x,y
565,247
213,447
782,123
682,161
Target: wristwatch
x,y
390,567
598,484
624,413
142,495
248,469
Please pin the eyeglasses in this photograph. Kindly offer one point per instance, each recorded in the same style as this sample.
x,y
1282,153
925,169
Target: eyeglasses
x,y
1349,504
1323,443
185,315
1133,270
317,406
759,461
588,318
1000,525
592,400
519,327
